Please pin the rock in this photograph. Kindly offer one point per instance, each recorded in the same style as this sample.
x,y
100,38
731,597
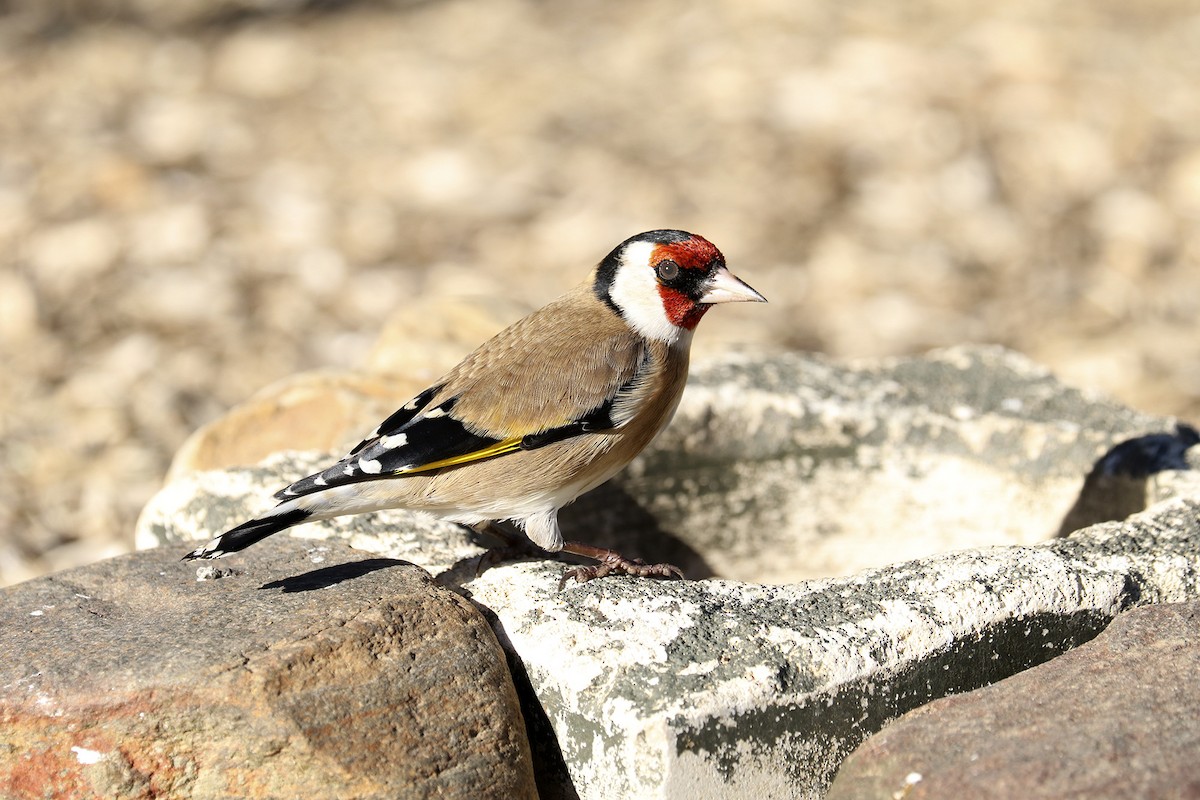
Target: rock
x,y
1183,184
167,297
1115,718
314,411
654,689
18,310
302,668
790,467
775,470
739,690
176,234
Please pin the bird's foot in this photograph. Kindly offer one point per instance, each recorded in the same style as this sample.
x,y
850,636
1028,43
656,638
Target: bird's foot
x,y
611,562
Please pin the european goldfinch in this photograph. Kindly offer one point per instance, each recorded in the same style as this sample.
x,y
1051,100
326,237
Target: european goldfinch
x,y
547,409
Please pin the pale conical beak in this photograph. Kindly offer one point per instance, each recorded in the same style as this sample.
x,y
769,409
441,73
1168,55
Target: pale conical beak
x,y
725,287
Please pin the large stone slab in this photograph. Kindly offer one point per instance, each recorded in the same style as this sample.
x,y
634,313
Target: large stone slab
x,y
716,689
733,688
779,468
1115,718
299,671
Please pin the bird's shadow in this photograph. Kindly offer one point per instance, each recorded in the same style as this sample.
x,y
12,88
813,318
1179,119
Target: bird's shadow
x,y
608,516
332,575
611,517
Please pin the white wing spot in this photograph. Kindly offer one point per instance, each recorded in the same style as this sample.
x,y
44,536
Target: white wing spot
x,y
320,481
348,470
434,413
371,467
392,442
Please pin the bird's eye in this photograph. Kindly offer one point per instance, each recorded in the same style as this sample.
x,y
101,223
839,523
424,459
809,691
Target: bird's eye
x,y
667,270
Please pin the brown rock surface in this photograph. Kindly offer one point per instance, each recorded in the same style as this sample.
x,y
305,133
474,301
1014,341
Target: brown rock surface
x,y
310,671
1115,718
309,411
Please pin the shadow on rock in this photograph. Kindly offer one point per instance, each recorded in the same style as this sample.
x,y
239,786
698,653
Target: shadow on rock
x,y
608,517
1116,486
549,765
330,576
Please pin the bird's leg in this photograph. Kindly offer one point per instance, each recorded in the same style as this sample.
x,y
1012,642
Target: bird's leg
x,y
612,563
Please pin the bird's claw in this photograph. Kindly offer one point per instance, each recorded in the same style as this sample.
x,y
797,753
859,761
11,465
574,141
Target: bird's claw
x,y
614,564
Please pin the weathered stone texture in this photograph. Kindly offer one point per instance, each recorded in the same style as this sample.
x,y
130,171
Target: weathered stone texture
x,y
778,469
303,670
1114,718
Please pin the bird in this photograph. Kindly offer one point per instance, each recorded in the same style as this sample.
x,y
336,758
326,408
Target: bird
x,y
547,409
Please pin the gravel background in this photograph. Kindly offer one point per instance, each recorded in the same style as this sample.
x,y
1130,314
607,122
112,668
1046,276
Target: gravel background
x,y
199,197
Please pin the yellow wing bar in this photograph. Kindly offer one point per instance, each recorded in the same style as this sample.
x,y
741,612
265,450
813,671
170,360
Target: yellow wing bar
x,y
498,449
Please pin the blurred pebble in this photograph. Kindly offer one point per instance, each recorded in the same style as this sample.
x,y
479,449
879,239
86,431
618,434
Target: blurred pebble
x,y
172,234
169,129
64,256
263,64
18,309
176,299
1183,185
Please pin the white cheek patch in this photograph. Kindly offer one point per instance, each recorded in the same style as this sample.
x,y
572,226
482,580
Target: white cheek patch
x,y
635,291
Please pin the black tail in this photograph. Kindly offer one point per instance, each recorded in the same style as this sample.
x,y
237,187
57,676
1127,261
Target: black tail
x,y
248,533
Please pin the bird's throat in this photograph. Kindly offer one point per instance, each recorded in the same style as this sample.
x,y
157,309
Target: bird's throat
x,y
680,309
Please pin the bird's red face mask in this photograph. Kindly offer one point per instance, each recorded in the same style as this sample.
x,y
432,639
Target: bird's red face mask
x,y
692,277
